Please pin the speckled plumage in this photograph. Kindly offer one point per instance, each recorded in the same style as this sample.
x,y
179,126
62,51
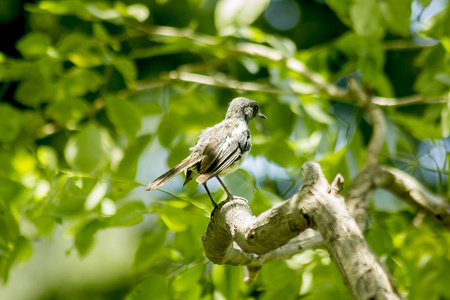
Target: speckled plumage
x,y
220,149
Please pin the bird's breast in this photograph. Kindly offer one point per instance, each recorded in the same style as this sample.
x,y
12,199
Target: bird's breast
x,y
235,165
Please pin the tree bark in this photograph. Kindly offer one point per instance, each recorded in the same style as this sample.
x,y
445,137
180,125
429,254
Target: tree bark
x,y
235,236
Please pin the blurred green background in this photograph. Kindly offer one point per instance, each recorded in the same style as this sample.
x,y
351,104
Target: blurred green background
x,y
98,98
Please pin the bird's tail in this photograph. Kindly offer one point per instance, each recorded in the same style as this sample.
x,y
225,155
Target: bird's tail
x,y
171,173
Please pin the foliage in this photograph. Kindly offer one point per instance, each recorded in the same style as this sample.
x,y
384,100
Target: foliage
x,y
96,93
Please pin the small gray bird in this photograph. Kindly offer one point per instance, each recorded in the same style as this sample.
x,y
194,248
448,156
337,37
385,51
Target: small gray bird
x,y
220,149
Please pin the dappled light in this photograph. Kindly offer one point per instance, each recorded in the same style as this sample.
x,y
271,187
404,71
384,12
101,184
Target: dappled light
x,y
99,98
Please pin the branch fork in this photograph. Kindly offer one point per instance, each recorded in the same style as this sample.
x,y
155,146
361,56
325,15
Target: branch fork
x,y
235,236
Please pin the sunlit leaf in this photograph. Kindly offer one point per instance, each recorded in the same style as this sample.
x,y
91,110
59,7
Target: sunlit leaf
x,y
128,165
9,123
87,151
85,236
127,68
367,18
33,45
68,111
124,115
399,16
139,11
342,9
188,280
416,126
128,214
103,12
235,13
151,287
35,91
77,82
150,248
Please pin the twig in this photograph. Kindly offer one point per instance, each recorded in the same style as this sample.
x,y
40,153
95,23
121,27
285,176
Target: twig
x,y
219,81
410,100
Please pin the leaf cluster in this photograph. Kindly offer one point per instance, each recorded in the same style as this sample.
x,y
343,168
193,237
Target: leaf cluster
x,y
100,97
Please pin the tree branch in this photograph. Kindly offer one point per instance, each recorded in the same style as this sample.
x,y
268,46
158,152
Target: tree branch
x,y
411,190
399,183
220,80
410,100
260,51
234,230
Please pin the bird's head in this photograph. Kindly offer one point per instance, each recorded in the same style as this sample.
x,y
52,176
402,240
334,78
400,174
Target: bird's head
x,y
243,108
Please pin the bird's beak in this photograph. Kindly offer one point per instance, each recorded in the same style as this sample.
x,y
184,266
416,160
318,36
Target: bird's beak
x,y
262,116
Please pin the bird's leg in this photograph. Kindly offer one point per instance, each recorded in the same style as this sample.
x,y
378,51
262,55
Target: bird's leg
x,y
209,194
229,195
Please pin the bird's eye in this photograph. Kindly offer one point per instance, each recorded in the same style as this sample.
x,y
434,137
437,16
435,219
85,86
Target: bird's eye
x,y
255,108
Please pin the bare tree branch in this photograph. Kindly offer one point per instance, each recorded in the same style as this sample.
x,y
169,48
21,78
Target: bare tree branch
x,y
220,80
263,52
317,205
410,189
399,183
410,100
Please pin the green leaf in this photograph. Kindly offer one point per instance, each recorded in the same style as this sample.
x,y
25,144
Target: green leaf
x,y
417,127
168,130
33,45
128,165
334,163
70,7
124,115
9,235
285,45
9,123
342,9
235,13
68,111
243,184
85,236
150,248
285,276
225,276
138,11
69,194
34,91
280,119
438,26
128,214
399,15
102,34
88,150
372,62
188,280
367,18
103,11
153,287
174,218
316,112
78,82
48,157
263,200
279,151
128,69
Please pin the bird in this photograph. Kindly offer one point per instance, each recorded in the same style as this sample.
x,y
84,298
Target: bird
x,y
220,150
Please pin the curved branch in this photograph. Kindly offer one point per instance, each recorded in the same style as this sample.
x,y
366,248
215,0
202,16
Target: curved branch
x,y
410,100
378,122
410,189
318,205
220,80
399,183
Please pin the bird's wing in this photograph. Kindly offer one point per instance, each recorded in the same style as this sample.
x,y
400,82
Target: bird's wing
x,y
221,153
